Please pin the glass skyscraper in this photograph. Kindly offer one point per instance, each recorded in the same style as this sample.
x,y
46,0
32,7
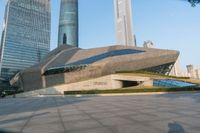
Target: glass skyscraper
x,y
68,24
26,35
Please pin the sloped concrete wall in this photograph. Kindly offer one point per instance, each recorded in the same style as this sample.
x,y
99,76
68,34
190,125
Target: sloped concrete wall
x,y
102,83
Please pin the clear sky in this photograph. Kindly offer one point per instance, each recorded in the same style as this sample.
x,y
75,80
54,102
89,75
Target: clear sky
x,y
169,24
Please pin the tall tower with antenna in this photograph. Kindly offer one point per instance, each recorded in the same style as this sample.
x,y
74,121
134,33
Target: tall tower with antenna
x,y
124,23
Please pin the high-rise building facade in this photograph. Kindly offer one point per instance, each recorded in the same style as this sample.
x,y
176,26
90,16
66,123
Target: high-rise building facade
x,y
176,69
68,23
124,24
26,35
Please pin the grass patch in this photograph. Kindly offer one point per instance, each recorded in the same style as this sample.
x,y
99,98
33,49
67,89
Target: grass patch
x,y
129,90
146,73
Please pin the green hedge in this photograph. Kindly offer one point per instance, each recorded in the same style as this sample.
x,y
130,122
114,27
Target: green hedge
x,y
132,90
12,92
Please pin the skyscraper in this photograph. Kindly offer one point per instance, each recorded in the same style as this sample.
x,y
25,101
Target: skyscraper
x,y
26,35
123,19
176,69
68,24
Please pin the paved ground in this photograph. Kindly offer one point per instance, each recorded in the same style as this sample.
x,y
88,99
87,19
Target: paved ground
x,y
171,113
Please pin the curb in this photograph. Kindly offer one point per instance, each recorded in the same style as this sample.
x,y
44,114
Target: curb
x,y
104,95
133,94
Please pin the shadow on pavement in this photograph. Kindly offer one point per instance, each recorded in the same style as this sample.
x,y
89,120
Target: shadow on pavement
x,y
24,105
2,131
175,128
21,118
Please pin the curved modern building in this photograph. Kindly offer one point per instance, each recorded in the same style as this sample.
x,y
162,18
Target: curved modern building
x,y
70,65
68,23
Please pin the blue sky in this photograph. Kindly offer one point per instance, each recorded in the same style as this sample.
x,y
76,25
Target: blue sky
x,y
170,24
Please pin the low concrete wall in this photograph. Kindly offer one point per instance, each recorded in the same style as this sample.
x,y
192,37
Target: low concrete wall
x,y
106,82
114,81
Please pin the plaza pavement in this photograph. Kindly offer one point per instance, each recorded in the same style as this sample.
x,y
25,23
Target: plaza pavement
x,y
167,113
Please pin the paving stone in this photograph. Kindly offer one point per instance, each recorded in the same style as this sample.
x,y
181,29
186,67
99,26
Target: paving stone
x,y
44,128
72,118
192,121
94,130
164,115
143,117
134,128
171,113
84,124
112,121
102,115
